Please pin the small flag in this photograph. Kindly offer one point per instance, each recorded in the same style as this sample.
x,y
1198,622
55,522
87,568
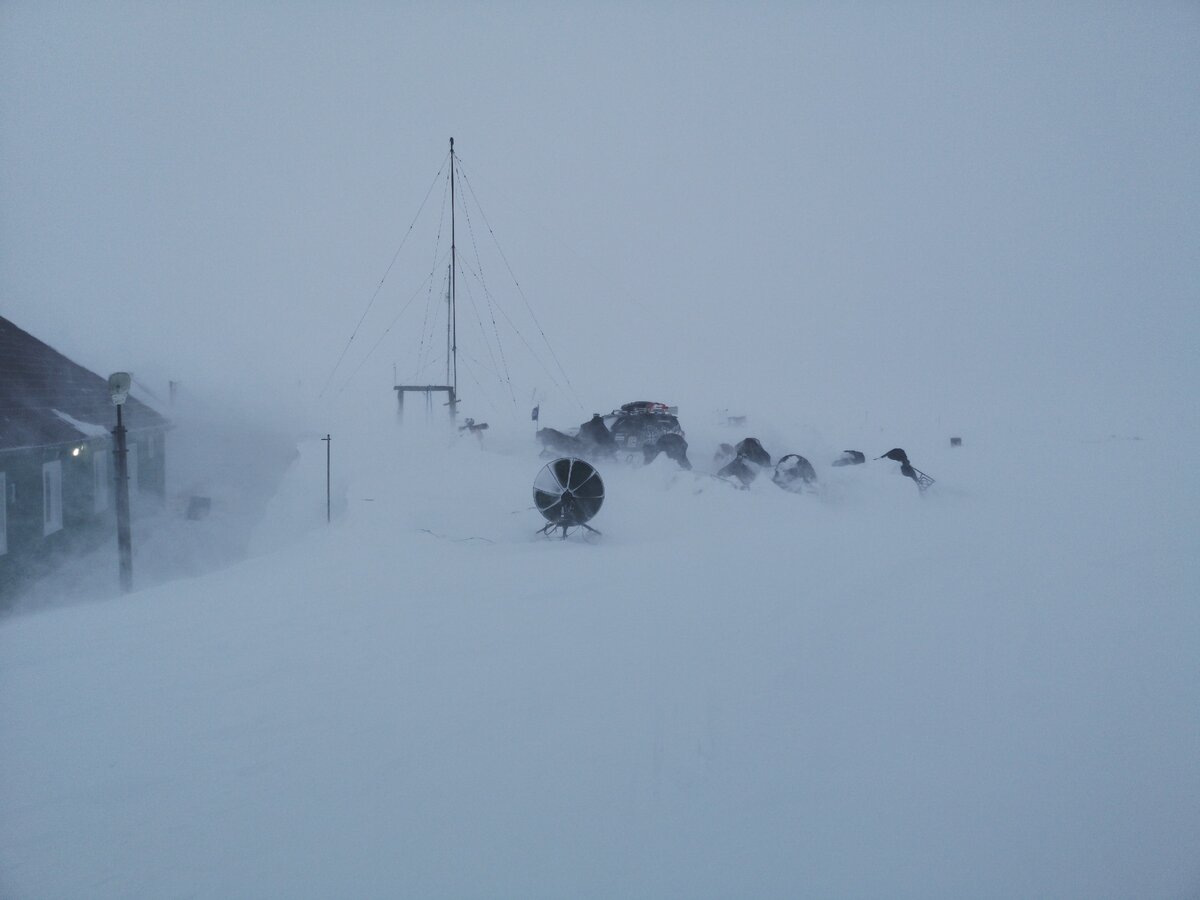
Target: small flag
x,y
534,415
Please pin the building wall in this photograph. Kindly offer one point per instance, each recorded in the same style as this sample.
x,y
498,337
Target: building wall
x,y
152,463
31,551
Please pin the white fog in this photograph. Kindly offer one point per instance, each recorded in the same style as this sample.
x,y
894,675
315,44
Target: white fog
x,y
827,227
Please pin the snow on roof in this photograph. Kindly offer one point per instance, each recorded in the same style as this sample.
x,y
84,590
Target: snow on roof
x,y
47,399
89,429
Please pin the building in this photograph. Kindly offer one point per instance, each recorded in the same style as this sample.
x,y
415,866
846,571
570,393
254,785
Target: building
x,y
57,473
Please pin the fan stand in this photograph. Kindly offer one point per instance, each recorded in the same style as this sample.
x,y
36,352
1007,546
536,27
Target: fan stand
x,y
568,520
566,528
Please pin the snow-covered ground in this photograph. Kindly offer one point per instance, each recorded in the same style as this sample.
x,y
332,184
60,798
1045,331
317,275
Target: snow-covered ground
x,y
989,691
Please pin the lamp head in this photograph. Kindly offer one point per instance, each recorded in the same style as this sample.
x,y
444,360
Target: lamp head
x,y
118,387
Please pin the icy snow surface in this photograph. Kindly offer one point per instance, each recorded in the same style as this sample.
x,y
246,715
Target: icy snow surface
x,y
989,691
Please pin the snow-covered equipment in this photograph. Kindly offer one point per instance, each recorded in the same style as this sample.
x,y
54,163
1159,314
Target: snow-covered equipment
x,y
907,469
555,442
753,450
794,473
750,457
596,437
673,445
568,492
477,429
851,458
741,470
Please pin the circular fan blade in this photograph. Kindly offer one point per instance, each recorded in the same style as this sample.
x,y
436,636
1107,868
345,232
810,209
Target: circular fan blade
x,y
546,502
580,472
562,471
547,482
591,486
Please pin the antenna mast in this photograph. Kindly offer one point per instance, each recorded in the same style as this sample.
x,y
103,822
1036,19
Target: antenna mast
x,y
452,321
451,389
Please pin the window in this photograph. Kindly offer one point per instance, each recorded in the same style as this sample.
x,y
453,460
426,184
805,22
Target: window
x,y
101,475
3,514
52,519
131,468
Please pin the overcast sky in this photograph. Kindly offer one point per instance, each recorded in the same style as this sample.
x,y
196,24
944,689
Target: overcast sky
x,y
969,212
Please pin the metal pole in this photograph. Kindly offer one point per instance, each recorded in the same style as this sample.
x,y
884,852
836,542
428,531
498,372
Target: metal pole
x,y
124,543
328,443
453,302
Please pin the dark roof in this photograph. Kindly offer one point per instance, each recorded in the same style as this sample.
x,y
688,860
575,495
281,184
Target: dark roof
x,y
37,384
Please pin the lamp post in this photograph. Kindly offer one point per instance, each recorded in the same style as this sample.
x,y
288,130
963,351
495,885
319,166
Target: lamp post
x,y
118,387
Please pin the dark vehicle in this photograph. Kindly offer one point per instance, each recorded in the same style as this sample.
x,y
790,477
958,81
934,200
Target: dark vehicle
x,y
640,424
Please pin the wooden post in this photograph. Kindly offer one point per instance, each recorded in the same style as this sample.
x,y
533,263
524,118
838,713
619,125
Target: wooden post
x,y
328,503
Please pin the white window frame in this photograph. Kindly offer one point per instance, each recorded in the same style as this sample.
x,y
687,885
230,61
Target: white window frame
x,y
52,498
3,513
101,479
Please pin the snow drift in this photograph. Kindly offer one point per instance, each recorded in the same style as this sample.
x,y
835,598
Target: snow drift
x,y
987,691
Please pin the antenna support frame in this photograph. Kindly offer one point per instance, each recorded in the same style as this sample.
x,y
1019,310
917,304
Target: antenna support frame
x,y
428,390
